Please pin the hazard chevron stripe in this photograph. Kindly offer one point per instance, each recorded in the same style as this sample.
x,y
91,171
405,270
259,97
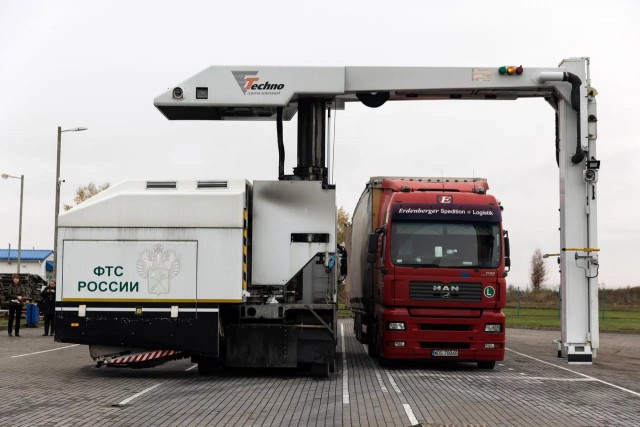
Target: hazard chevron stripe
x,y
141,357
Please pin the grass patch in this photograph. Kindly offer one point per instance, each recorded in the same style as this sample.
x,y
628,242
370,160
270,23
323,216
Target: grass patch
x,y
614,321
343,311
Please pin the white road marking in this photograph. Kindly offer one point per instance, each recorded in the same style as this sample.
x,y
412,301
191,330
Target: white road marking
x,y
192,367
412,418
407,408
577,373
345,372
505,377
393,382
380,382
46,351
129,399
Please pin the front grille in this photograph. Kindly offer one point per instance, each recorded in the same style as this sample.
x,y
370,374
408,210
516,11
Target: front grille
x,y
434,291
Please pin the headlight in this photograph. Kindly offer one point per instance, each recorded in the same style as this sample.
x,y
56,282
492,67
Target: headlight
x,y
396,326
493,327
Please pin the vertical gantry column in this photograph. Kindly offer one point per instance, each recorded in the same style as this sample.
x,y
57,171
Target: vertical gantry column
x,y
311,140
592,219
578,228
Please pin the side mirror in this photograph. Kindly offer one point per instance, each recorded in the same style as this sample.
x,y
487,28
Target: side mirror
x,y
507,251
372,246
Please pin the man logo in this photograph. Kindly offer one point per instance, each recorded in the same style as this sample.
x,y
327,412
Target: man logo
x,y
446,288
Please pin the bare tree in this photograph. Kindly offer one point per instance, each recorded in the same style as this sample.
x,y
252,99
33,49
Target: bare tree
x,y
343,220
538,272
85,192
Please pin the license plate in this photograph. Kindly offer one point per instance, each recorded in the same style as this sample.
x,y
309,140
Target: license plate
x,y
444,353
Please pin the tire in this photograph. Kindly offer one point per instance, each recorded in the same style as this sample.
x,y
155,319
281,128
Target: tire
x,y
208,366
373,346
486,365
320,370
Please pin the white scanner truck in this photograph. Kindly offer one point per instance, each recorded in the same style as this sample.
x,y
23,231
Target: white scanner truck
x,y
153,271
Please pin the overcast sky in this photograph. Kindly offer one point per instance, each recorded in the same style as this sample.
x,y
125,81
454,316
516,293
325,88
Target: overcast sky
x,y
100,64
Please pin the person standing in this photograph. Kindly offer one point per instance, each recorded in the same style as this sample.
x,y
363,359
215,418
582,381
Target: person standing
x,y
49,307
15,304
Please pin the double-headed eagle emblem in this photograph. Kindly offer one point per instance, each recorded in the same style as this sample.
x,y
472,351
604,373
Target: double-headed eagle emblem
x,y
158,267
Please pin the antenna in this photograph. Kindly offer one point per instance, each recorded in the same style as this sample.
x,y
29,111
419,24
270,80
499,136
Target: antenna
x,y
442,180
473,174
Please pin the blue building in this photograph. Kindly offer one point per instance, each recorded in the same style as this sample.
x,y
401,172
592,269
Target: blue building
x,y
32,261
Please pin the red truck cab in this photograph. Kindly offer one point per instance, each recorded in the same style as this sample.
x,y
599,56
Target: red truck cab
x,y
437,261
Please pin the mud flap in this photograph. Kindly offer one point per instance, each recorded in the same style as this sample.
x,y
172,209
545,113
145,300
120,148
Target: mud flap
x,y
271,346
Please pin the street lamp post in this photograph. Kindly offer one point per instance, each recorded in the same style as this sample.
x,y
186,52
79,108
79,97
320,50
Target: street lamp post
x,y
55,227
21,178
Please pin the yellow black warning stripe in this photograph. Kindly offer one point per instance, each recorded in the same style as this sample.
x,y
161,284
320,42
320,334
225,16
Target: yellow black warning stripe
x,y
244,250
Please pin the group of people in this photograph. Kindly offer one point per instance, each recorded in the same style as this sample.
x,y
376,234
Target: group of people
x,y
16,304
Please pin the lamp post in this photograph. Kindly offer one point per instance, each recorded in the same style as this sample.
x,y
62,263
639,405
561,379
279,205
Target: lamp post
x,y
21,178
55,226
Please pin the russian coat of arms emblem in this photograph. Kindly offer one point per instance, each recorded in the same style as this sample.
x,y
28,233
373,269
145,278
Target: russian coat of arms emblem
x,y
158,267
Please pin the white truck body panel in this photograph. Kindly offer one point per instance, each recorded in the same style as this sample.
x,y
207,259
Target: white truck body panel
x,y
202,244
145,270
281,208
131,204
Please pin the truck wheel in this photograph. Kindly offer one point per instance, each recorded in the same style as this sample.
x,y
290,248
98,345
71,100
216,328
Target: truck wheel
x,y
207,367
373,345
320,370
486,365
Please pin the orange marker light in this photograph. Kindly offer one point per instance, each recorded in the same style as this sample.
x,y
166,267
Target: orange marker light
x,y
511,70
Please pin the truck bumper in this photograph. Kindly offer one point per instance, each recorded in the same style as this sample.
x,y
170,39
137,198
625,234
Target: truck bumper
x,y
278,346
460,336
194,334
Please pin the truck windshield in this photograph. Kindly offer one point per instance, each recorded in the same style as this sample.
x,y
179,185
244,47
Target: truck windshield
x,y
446,244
